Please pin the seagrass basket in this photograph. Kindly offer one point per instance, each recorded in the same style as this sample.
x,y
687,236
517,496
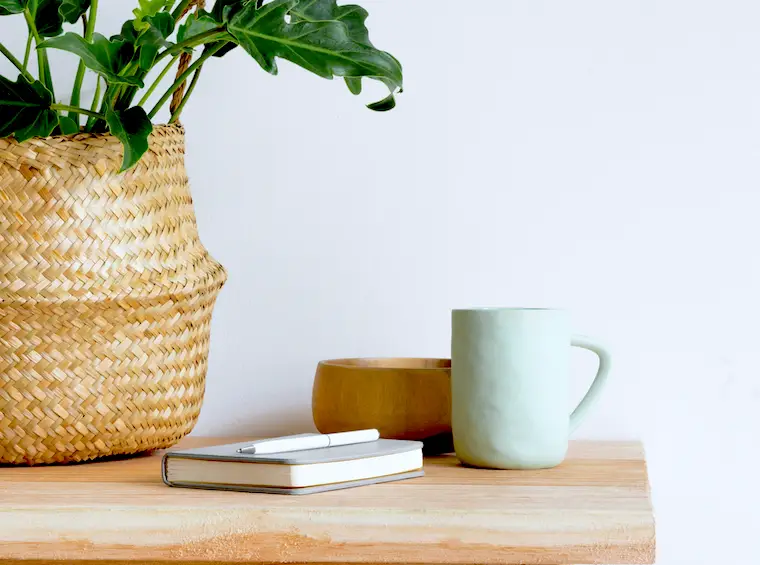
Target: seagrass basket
x,y
106,295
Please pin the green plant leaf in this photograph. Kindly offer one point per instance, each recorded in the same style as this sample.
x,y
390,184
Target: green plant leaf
x,y
325,48
42,126
147,8
128,33
320,10
67,125
355,18
201,22
47,19
47,16
106,57
147,56
354,84
8,7
132,127
153,38
73,10
224,10
387,103
196,24
25,109
160,27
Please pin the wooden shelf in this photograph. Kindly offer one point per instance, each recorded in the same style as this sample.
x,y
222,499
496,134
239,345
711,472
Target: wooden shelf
x,y
594,508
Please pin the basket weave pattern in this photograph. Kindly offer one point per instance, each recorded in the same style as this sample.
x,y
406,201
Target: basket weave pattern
x,y
106,294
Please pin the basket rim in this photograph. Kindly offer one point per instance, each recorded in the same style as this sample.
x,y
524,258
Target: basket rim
x,y
84,135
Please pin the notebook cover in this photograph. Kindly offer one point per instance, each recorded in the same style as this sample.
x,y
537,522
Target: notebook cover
x,y
228,452
297,490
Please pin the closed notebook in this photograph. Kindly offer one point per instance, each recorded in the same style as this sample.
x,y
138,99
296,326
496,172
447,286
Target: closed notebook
x,y
296,472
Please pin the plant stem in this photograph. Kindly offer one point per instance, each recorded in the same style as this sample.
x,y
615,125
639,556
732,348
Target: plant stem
x,y
125,93
28,51
42,58
67,108
200,39
91,20
108,94
127,96
183,77
76,92
178,111
177,13
16,63
158,80
94,105
96,96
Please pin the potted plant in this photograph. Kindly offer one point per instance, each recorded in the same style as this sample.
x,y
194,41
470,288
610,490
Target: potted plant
x,y
106,291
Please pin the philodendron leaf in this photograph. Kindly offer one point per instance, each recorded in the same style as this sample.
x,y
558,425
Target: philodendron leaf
x,y
106,57
47,16
128,33
132,127
354,84
42,126
153,38
160,27
224,10
325,48
67,126
320,10
196,24
47,19
8,7
354,17
73,10
387,103
201,22
25,109
147,8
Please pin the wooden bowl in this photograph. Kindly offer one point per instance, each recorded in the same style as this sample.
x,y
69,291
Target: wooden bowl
x,y
401,398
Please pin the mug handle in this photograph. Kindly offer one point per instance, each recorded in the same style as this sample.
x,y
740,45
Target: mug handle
x,y
605,361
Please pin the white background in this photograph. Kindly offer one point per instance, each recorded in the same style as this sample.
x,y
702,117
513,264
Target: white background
x,y
599,156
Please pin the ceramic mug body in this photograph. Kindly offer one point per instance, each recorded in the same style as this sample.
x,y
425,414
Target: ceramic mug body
x,y
510,378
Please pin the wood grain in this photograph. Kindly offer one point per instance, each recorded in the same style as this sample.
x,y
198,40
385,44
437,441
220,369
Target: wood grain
x,y
595,508
407,398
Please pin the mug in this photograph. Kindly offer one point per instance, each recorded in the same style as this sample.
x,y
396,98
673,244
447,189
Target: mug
x,y
509,385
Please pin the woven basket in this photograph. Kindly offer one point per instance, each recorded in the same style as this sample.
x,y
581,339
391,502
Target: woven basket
x,y
106,295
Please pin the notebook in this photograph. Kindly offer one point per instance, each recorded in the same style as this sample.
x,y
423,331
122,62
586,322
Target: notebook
x,y
297,472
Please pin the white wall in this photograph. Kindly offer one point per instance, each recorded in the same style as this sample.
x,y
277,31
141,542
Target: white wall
x,y
601,156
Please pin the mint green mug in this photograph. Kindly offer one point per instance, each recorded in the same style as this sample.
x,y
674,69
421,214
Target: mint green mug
x,y
510,371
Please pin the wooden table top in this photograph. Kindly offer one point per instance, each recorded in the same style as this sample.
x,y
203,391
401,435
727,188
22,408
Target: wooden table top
x,y
594,508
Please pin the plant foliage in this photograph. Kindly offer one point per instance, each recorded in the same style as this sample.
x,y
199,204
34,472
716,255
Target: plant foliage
x,y
72,10
25,109
326,39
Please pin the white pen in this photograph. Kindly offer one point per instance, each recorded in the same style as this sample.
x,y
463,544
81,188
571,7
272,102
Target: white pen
x,y
309,441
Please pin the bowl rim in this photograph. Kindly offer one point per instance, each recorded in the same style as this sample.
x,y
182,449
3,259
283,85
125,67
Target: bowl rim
x,y
404,363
